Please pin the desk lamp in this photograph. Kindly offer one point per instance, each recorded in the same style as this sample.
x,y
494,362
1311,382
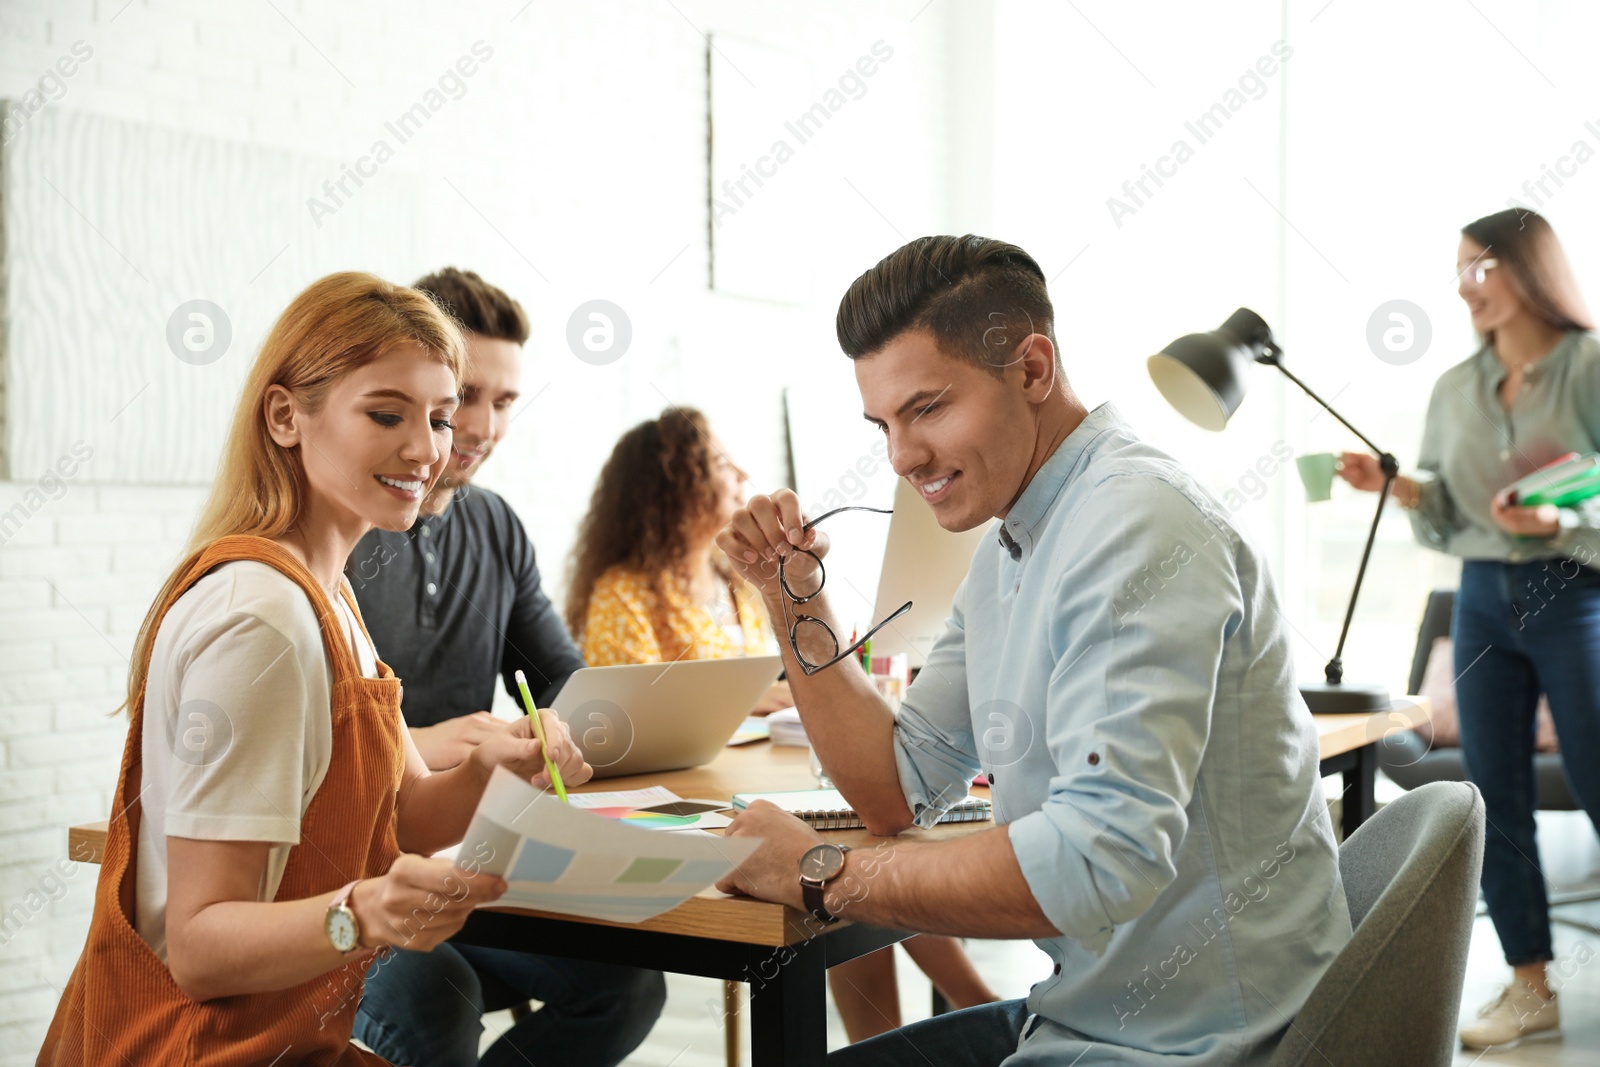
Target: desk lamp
x,y
1203,376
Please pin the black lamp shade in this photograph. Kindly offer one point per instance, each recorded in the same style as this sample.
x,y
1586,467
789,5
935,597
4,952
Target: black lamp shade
x,y
1203,375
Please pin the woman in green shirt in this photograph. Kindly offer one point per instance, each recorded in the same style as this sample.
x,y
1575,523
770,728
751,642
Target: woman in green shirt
x,y
1527,615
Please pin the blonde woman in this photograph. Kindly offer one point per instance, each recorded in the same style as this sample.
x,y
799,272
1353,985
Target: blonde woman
x,y
273,822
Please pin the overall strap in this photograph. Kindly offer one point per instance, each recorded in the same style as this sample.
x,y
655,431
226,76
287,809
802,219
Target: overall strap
x,y
262,550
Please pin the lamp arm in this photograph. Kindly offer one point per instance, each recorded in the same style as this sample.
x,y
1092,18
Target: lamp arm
x,y
1272,359
1334,671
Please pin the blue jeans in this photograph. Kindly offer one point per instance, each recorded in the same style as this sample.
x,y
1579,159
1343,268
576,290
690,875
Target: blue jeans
x,y
1522,629
973,1037
426,1008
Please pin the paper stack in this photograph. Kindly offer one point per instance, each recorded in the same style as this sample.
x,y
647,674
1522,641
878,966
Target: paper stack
x,y
786,728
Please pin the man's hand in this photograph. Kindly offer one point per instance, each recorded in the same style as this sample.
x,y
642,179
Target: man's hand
x,y
773,871
1541,521
765,530
518,751
446,744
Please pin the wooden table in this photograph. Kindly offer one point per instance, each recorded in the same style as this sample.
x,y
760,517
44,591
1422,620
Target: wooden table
x,y
775,949
782,954
1349,748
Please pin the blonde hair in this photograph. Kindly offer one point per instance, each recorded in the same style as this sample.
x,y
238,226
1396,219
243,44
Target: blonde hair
x,y
336,326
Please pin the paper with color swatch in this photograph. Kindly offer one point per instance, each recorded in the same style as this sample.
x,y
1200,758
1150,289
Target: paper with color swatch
x,y
655,808
560,858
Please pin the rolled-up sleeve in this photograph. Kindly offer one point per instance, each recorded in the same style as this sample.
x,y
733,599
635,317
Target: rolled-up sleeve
x,y
1139,623
933,746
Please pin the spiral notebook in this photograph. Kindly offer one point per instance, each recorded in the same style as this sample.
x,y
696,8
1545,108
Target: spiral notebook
x,y
826,809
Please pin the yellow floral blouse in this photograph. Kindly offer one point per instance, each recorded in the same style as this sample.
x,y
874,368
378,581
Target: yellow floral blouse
x,y
628,621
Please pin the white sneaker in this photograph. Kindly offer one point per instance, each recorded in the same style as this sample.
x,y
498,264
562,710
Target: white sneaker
x,y
1518,1012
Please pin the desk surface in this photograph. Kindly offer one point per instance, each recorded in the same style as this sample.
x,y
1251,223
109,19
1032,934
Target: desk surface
x,y
765,767
1338,734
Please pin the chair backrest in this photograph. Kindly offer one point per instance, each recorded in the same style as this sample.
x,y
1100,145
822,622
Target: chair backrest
x,y
1411,878
1435,623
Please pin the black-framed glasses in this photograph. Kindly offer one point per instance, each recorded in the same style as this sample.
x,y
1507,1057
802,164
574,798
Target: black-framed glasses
x,y
809,628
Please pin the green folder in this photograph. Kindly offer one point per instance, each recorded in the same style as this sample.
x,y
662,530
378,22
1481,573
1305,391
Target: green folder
x,y
1564,485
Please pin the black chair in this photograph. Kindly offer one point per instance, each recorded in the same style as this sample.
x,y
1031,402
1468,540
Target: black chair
x,y
1410,761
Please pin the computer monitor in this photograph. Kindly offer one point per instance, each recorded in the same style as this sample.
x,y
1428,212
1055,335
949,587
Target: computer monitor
x,y
923,563
840,460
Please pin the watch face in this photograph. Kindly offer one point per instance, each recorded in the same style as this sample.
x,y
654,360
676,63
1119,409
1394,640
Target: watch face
x,y
341,929
822,863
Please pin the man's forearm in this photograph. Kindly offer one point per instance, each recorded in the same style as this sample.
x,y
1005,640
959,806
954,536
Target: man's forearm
x,y
971,887
849,725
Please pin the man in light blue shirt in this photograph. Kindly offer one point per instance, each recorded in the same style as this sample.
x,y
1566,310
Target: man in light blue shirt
x,y
1117,667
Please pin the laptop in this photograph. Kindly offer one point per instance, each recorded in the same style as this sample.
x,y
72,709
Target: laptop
x,y
923,563
640,718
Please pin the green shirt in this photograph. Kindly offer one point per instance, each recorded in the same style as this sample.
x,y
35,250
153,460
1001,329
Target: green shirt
x,y
1472,448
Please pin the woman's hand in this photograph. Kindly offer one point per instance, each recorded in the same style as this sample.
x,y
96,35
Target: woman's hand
x,y
420,902
1361,471
518,751
1541,521
765,530
774,699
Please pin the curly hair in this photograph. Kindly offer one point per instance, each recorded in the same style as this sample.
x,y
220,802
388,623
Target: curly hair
x,y
652,489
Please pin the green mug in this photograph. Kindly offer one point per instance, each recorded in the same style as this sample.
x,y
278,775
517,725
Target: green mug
x,y
1316,474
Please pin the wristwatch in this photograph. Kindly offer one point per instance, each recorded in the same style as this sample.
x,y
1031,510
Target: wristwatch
x,y
344,933
819,866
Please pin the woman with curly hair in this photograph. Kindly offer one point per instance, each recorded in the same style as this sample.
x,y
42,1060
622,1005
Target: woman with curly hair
x,y
646,584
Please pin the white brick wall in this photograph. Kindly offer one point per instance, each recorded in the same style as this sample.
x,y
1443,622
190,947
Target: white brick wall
x,y
582,145
74,581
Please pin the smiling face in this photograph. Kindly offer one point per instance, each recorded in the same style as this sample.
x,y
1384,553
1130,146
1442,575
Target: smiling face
x,y
379,441
961,436
490,387
1493,303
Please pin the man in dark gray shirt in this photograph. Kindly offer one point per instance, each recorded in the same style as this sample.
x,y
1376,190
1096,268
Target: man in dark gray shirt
x,y
451,604
458,601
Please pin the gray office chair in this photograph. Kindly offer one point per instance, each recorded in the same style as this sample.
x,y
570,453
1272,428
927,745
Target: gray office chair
x,y
1394,994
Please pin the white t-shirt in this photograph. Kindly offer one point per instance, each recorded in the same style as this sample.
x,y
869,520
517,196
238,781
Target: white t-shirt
x,y
237,724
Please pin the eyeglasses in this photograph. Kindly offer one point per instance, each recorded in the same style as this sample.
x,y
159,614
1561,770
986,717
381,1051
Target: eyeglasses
x,y
1475,272
809,628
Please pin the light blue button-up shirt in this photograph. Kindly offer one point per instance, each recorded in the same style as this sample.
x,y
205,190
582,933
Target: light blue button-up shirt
x,y
1119,664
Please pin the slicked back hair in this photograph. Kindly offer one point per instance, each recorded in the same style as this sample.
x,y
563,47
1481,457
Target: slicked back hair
x,y
978,298
478,306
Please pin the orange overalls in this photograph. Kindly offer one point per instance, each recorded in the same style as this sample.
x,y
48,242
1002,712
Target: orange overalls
x,y
121,1005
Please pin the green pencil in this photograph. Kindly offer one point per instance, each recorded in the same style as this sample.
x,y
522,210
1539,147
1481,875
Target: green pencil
x,y
538,730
